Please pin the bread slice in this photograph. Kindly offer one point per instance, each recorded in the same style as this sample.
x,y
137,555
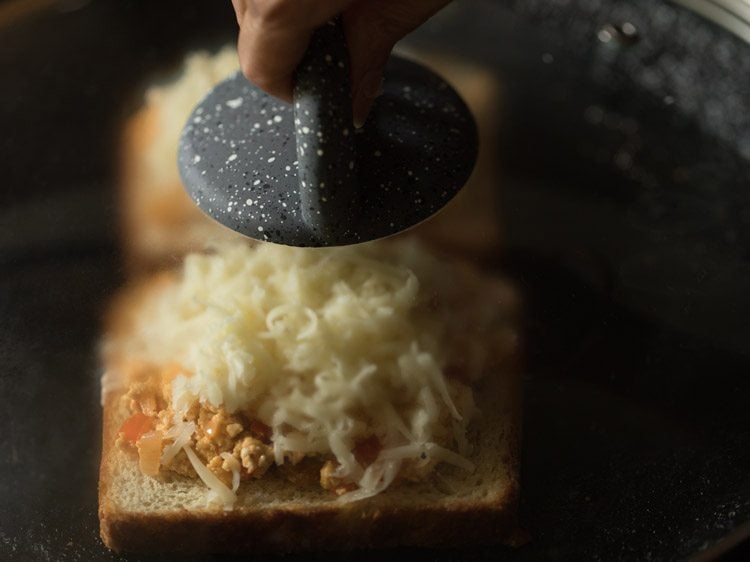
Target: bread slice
x,y
139,513
143,514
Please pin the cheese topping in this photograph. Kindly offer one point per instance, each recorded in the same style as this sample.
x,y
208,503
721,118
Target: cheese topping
x,y
327,347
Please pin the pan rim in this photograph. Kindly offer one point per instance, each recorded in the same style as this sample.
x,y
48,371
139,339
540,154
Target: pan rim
x,y
732,15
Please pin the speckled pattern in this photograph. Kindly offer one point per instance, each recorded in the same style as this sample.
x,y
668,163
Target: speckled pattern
x,y
239,159
326,155
636,442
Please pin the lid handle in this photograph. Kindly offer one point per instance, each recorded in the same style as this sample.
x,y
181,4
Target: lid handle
x,y
324,132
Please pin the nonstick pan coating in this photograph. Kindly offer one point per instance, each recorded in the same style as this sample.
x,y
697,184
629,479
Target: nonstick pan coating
x,y
625,199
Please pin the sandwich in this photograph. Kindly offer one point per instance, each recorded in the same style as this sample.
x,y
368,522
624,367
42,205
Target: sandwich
x,y
274,399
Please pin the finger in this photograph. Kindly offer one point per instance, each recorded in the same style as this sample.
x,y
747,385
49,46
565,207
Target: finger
x,y
369,46
269,55
372,29
274,35
307,14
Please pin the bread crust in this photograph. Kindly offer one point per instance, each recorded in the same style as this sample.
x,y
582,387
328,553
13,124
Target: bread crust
x,y
299,530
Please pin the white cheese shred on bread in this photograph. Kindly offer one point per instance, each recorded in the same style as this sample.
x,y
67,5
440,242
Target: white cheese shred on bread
x,y
180,434
327,347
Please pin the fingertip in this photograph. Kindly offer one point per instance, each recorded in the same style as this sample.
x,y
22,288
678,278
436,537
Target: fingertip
x,y
369,48
268,60
360,110
278,87
284,95
360,117
369,87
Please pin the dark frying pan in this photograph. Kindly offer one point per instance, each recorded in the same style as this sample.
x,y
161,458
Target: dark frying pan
x,y
626,202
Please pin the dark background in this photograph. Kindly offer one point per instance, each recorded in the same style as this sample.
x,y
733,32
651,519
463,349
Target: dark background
x,y
626,197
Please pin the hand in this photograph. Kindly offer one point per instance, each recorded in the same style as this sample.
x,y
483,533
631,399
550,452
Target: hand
x,y
274,35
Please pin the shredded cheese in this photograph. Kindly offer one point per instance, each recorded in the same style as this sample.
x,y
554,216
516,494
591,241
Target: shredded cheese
x,y
180,433
326,347
218,489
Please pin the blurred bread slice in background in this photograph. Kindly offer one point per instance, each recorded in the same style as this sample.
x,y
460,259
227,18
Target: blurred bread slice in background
x,y
159,221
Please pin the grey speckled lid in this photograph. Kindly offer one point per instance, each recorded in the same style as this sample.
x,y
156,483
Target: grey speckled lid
x,y
302,175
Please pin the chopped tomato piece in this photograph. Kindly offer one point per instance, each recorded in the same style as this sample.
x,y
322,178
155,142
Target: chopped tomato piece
x,y
367,450
135,426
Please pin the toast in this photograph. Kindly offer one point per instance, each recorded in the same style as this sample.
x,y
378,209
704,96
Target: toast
x,y
287,512
141,514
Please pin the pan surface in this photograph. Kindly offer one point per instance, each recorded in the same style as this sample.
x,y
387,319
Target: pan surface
x,y
626,206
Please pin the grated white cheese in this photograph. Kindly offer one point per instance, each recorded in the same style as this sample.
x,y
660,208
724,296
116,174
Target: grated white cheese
x,y
218,490
326,347
180,434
